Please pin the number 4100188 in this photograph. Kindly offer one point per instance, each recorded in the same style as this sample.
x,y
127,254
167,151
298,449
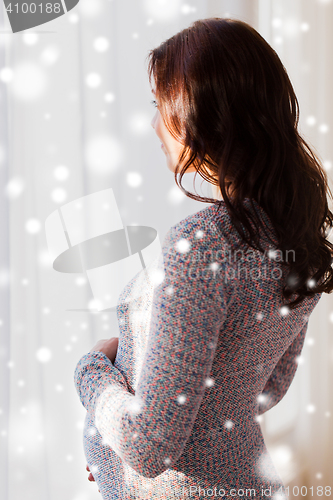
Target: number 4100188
x,y
318,491
32,8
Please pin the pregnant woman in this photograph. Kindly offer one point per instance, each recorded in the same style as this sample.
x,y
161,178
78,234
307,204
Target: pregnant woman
x,y
209,338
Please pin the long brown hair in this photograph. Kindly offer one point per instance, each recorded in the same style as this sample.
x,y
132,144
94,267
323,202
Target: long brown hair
x,y
224,93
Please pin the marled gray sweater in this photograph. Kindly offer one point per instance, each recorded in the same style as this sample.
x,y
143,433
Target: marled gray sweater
x,y
200,355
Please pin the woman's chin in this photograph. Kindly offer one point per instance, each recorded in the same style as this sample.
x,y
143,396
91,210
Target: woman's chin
x,y
170,167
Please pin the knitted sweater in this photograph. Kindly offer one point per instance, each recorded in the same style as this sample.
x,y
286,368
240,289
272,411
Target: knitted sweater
x,y
204,348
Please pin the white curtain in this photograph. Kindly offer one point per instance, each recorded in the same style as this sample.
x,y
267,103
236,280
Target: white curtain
x,y
75,121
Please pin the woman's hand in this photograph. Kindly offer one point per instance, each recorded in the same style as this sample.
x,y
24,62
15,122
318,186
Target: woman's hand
x,y
108,347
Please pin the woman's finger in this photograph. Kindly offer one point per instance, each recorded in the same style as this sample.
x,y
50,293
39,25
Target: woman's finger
x,y
87,468
91,477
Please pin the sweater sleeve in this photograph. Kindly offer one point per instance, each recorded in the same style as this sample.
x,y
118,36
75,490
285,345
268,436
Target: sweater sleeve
x,y
149,429
283,374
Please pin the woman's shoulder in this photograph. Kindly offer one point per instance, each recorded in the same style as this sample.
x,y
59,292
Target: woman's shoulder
x,y
198,227
213,225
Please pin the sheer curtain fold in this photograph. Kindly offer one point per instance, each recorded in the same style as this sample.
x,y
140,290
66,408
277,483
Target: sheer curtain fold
x,y
5,324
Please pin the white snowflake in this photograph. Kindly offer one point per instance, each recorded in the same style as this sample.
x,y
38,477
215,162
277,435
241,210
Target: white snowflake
x,y
284,310
209,382
323,128
261,398
228,424
311,408
59,195
311,283
93,80
33,226
272,254
80,424
6,75
181,399
169,290
43,354
101,44
157,276
278,496
183,245
15,187
109,97
135,405
276,22
311,120
50,55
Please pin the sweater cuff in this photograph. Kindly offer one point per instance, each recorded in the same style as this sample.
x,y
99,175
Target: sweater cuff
x,y
93,374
